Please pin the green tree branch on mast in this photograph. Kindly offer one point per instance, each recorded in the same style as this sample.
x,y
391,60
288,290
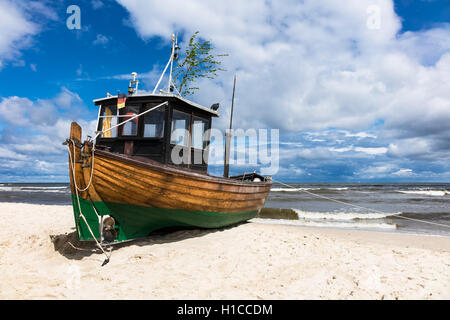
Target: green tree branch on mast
x,y
199,62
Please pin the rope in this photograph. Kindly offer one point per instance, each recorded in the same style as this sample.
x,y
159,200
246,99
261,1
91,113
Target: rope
x,y
398,215
92,167
72,164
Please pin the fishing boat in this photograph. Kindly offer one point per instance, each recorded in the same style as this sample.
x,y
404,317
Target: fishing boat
x,y
125,182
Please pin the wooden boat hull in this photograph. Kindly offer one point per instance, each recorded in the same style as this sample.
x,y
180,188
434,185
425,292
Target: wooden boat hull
x,y
143,195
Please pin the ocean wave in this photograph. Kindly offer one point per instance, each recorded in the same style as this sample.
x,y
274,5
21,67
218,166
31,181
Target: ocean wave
x,y
45,188
342,216
334,224
35,189
435,193
2,188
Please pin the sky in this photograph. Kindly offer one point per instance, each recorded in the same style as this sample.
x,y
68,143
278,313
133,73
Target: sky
x,y
359,89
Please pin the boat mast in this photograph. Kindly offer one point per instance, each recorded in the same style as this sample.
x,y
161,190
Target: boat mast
x,y
173,56
171,63
226,168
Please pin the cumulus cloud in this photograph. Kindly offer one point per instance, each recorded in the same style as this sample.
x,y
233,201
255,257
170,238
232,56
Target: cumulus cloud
x,y
16,31
314,60
318,65
404,172
372,151
32,133
20,21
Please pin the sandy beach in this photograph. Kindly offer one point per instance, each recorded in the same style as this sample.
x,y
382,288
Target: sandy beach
x,y
40,258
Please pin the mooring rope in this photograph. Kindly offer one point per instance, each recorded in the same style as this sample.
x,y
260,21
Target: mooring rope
x,y
72,164
398,215
77,188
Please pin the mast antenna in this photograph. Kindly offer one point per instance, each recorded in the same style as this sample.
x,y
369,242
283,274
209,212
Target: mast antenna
x,y
173,56
171,63
226,167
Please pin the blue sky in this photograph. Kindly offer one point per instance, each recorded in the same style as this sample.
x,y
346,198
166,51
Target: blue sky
x,y
359,91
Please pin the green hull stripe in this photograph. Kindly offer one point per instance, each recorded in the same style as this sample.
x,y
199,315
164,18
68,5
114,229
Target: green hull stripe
x,y
138,221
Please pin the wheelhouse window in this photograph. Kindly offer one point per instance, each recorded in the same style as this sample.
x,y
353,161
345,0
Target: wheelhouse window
x,y
154,121
107,120
199,127
130,128
181,123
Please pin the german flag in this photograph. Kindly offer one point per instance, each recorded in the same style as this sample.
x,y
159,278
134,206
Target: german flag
x,y
121,98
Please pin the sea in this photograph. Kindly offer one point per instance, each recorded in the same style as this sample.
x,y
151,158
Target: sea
x,y
388,207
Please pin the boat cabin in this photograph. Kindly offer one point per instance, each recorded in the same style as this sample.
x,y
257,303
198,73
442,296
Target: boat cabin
x,y
179,123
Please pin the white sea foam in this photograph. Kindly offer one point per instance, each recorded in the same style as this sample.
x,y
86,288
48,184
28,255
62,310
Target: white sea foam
x,y
3,188
435,193
53,191
341,216
334,224
44,188
34,189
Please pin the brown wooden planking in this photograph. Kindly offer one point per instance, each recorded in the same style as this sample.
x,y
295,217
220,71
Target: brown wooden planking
x,y
118,189
169,177
75,152
174,185
133,181
203,182
194,175
87,171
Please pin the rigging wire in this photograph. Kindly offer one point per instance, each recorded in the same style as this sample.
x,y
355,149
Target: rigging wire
x,y
398,215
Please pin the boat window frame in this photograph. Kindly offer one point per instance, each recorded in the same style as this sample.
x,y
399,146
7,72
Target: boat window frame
x,y
101,116
123,113
205,141
164,110
189,123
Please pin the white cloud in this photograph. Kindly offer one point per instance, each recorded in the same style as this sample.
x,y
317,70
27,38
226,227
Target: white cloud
x,y
345,149
314,65
5,153
16,31
66,99
96,4
372,151
360,135
15,110
20,21
101,40
409,147
404,173
32,135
